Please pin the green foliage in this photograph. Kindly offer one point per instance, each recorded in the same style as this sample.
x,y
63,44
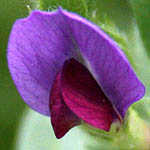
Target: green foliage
x,y
141,11
78,6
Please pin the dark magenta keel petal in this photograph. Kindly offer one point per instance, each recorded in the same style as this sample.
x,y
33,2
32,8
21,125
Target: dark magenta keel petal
x,y
62,118
84,97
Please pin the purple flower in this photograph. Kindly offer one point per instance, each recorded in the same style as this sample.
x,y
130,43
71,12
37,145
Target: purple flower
x,y
67,67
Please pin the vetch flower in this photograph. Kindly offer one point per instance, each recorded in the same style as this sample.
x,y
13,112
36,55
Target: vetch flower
x,y
66,67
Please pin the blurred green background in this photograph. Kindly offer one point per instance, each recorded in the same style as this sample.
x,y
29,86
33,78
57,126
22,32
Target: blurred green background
x,y
132,19
11,105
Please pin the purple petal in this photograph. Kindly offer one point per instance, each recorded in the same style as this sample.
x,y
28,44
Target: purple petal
x,y
40,44
84,97
61,117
